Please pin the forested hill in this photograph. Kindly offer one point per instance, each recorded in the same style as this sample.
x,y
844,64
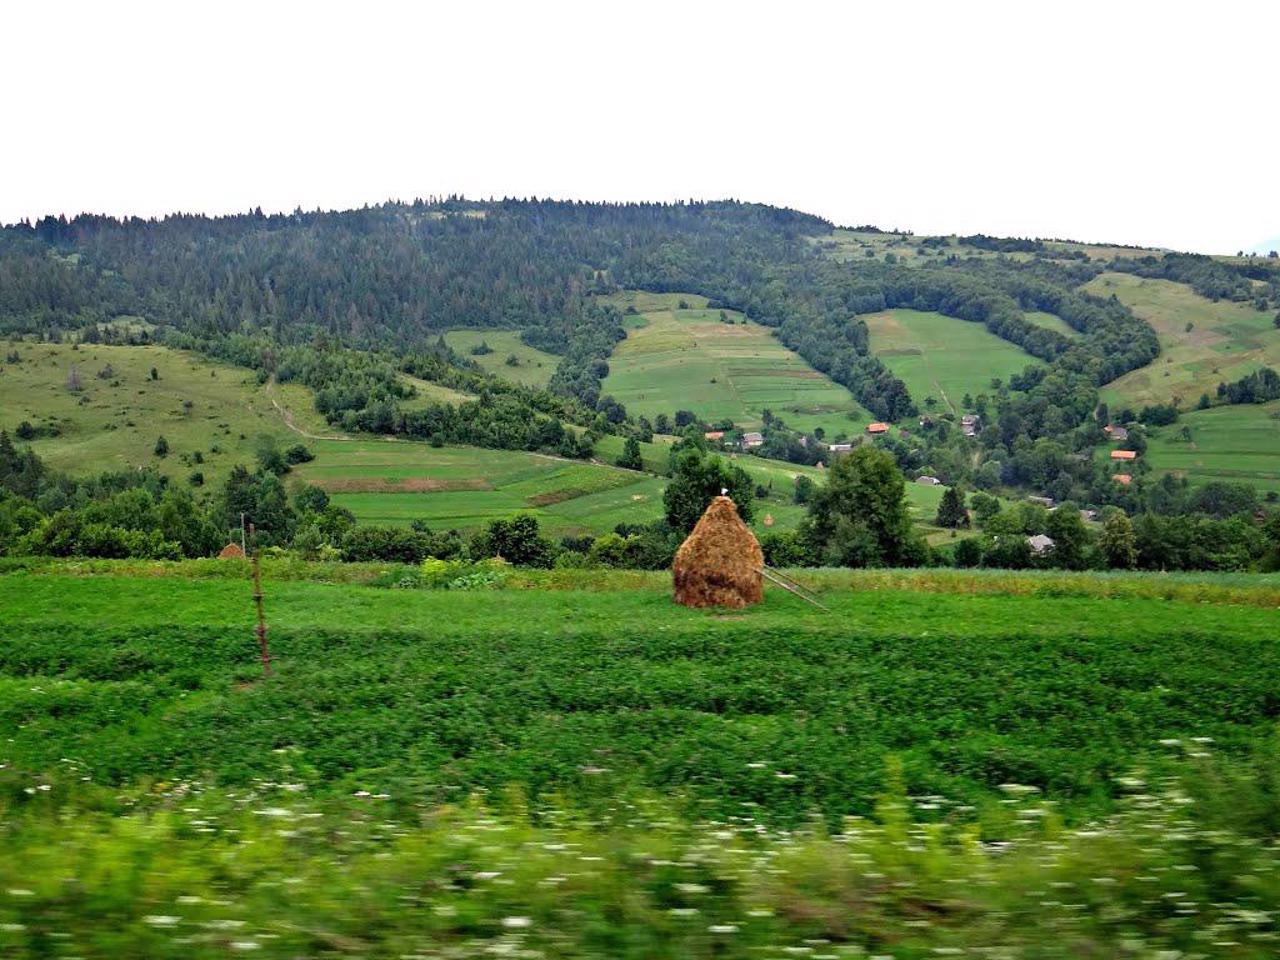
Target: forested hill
x,y
256,288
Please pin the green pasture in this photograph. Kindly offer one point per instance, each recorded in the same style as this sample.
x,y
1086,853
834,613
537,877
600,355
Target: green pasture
x,y
942,357
1050,321
112,422
688,359
426,393
1237,443
1225,341
533,367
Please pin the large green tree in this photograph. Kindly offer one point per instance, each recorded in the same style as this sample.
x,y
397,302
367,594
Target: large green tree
x,y
860,518
696,479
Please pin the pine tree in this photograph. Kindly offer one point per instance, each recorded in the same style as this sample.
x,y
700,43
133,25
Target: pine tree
x,y
631,458
951,511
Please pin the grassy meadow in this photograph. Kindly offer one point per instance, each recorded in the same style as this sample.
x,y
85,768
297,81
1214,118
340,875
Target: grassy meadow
x,y
1225,341
112,422
689,359
567,765
1238,443
533,367
1050,321
942,357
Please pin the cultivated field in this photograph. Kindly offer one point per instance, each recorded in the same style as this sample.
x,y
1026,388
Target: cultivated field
x,y
533,367
1237,443
942,357
112,422
689,359
1225,341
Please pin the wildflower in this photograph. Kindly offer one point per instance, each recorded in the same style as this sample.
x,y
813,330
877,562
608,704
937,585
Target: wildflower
x,y
19,892
516,923
245,945
161,920
723,928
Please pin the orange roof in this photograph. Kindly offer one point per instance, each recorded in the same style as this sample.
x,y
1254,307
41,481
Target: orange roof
x,y
1123,455
714,435
877,428
1123,478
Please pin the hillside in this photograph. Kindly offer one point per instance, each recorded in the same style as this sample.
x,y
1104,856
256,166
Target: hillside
x,y
1203,343
721,366
211,414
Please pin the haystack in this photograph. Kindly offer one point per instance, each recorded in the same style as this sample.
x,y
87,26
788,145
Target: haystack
x,y
231,551
719,563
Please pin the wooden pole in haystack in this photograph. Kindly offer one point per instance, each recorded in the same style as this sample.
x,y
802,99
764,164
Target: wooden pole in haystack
x,y
262,617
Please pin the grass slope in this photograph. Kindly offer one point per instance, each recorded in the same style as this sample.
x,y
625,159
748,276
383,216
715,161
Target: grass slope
x,y
688,359
1226,340
1050,321
1237,443
112,424
534,367
942,357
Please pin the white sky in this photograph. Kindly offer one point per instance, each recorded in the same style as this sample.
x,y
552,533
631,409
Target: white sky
x,y
1123,121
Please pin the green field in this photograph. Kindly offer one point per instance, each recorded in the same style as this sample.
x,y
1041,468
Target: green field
x,y
113,423
1050,321
942,357
1237,443
456,691
1226,341
687,359
571,766
533,367
426,392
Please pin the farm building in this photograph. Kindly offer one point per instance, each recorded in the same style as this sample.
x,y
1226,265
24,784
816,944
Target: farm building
x,y
1040,544
1124,479
877,428
840,447
750,440
1123,455
1046,502
970,424
713,435
1119,434
928,481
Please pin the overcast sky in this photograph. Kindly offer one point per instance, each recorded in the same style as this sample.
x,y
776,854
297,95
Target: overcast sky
x,y
1122,121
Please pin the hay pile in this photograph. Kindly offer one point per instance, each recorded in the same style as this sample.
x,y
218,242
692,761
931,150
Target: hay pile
x,y
719,564
231,551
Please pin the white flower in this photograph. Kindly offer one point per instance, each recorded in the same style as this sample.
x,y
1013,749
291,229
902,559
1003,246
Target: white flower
x,y
160,920
516,923
723,928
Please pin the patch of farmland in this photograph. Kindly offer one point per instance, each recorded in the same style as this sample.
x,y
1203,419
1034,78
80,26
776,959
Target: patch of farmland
x,y
426,393
721,366
942,357
1237,443
463,488
1202,343
532,367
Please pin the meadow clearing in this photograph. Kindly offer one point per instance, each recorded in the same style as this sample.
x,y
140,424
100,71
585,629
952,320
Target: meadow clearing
x,y
113,420
1050,321
1238,443
533,367
942,357
1202,343
689,359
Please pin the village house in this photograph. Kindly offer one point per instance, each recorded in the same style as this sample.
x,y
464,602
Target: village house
x,y
1046,502
839,447
970,424
714,435
877,428
1119,434
1089,515
752,440
1123,455
928,481
1040,544
1123,479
